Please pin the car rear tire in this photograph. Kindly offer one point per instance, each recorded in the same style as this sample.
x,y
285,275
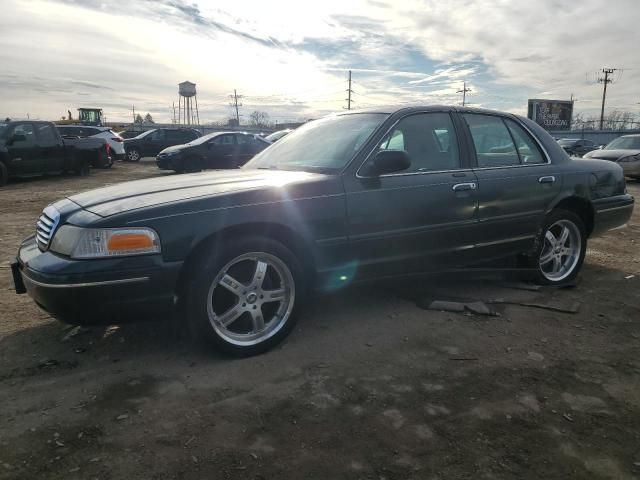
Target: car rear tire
x,y
560,248
82,170
133,154
4,175
243,296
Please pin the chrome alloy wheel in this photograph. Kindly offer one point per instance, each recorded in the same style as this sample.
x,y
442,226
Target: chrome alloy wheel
x,y
133,155
561,250
251,298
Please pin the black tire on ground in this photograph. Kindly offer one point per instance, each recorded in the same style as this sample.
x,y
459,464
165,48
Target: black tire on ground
x,y
556,223
83,169
4,175
206,276
133,154
192,165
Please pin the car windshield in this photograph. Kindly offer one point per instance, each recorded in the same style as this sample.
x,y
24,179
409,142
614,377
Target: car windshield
x,y
3,129
624,143
324,145
567,142
277,135
144,134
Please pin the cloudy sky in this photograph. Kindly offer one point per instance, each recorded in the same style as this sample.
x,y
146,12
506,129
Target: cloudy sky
x,y
290,58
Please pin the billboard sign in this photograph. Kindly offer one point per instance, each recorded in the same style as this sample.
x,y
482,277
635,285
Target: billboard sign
x,y
551,114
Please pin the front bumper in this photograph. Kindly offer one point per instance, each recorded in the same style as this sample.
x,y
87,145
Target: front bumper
x,y
96,291
612,212
172,162
631,169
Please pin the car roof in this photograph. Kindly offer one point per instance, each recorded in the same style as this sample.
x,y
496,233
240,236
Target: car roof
x,y
393,109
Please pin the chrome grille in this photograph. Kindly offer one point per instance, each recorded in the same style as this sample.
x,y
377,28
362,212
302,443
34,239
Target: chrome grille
x,y
46,227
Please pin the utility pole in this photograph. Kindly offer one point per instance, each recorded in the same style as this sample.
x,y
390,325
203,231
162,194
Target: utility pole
x,y
605,80
133,109
174,113
235,104
349,92
464,93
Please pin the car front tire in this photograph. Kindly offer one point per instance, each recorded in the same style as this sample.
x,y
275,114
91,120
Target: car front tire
x,y
242,298
560,248
133,154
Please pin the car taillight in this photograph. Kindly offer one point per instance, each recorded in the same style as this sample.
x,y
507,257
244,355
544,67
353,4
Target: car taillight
x,y
117,139
108,148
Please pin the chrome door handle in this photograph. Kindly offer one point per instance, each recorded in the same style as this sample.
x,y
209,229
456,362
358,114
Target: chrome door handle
x,y
547,179
461,187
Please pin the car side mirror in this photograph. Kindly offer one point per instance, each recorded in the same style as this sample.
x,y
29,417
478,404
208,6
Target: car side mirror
x,y
17,137
390,161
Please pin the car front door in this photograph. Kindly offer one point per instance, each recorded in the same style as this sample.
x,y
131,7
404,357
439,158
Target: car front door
x,y
51,147
422,218
25,157
516,183
157,141
220,151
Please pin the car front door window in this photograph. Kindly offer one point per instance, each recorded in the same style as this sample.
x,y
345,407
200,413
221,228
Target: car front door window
x,y
426,137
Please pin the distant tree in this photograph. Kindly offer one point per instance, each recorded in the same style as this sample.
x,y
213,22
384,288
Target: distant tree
x,y
148,118
259,119
614,120
138,119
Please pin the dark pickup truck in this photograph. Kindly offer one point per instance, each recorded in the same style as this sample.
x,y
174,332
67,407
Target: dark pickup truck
x,y
29,148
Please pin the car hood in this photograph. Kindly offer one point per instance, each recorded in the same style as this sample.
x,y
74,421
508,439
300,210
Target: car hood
x,y
142,194
611,154
174,148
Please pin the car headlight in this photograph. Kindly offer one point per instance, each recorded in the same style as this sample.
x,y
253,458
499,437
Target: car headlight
x,y
80,243
630,158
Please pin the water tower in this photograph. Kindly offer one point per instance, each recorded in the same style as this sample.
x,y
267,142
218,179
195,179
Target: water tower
x,y
187,115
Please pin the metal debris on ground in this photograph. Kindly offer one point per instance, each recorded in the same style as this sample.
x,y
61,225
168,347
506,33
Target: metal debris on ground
x,y
572,307
522,286
477,307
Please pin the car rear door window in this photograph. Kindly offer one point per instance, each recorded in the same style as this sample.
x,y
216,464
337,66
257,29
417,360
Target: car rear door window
x,y
492,141
90,132
428,138
47,133
174,136
528,151
72,131
224,140
158,135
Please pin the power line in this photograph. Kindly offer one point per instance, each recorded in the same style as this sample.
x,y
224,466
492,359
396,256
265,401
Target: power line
x,y
349,92
464,93
606,80
234,102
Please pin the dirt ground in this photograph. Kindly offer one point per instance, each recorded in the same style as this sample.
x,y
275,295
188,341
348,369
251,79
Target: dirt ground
x,y
368,386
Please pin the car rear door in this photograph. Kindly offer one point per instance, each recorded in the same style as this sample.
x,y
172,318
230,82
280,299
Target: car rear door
x,y
516,182
419,219
156,143
51,147
246,148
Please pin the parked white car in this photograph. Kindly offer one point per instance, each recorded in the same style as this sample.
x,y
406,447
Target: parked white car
x,y
116,142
